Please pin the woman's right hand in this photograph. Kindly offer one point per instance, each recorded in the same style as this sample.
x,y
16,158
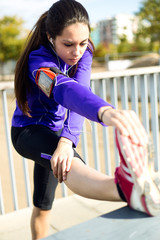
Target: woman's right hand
x,y
127,122
62,159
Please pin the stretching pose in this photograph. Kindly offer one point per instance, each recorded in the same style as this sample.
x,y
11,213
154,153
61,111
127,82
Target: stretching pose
x,y
52,78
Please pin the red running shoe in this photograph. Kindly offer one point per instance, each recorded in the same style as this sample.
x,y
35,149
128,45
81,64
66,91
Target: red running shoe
x,y
141,191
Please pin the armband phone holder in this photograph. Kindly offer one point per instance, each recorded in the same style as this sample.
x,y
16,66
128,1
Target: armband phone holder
x,y
45,79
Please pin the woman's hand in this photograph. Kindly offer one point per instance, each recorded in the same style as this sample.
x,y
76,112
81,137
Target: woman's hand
x,y
127,122
62,159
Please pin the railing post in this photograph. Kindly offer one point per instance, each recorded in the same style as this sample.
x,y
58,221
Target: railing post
x,y
95,139
134,94
124,92
6,122
106,135
27,182
1,200
64,190
144,100
114,101
84,144
154,118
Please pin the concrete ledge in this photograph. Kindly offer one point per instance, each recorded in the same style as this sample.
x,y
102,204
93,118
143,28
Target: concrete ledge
x,y
75,210
121,224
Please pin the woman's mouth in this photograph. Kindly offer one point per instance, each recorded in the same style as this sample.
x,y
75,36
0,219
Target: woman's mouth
x,y
74,60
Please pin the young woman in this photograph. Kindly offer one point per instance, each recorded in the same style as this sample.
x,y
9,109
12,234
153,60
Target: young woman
x,y
52,76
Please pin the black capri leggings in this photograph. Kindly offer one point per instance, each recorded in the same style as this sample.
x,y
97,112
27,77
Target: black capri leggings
x,y
36,142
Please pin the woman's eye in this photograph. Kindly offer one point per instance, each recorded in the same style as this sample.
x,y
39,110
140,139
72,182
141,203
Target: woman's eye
x,y
83,44
68,45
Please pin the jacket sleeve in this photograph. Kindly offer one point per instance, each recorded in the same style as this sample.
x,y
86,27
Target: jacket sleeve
x,y
74,122
75,95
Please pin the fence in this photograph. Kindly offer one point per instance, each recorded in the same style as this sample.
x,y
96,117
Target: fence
x,y
137,89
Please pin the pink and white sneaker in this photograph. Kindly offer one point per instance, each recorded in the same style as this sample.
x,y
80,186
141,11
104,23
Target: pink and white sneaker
x,y
141,191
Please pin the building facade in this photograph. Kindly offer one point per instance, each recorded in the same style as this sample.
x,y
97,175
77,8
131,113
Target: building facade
x,y
109,30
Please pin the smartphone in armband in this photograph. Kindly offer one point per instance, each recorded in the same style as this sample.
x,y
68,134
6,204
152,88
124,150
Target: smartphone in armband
x,y
45,79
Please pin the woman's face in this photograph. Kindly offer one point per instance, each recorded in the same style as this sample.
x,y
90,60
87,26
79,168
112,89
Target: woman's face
x,y
72,43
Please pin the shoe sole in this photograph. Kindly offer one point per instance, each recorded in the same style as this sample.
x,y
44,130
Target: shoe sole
x,y
148,189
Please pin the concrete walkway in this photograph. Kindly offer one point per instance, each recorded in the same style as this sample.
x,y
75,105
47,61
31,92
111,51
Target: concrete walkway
x,y
66,212
121,224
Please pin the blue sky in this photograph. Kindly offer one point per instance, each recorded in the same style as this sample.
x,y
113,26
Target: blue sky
x,y
98,10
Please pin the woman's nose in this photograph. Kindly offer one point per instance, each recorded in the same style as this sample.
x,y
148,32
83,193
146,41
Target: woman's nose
x,y
76,51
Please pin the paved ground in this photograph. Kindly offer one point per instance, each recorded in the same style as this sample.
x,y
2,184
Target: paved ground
x,y
67,212
121,224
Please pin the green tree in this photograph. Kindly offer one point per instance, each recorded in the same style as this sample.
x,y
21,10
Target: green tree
x,y
149,22
100,52
138,45
12,37
103,50
124,46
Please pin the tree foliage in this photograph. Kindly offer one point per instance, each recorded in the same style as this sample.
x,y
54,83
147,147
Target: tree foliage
x,y
149,21
12,37
124,46
138,45
102,50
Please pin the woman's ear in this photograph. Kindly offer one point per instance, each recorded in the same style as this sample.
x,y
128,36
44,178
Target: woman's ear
x,y
48,35
50,39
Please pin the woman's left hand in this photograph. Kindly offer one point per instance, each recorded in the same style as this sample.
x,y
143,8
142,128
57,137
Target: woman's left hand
x,y
62,159
127,122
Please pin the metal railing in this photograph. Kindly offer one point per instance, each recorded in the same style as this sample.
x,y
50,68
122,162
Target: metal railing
x,y
137,89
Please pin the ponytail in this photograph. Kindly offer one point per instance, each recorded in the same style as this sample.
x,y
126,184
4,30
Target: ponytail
x,y
36,37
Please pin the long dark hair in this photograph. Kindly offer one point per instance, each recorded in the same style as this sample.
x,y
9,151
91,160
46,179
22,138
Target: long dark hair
x,y
61,14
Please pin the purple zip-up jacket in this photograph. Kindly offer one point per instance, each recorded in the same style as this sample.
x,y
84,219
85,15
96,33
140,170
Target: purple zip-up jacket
x,y
71,94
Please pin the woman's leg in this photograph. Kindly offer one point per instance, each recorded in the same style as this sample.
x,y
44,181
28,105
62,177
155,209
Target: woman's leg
x,y
89,183
30,142
40,221
84,181
43,196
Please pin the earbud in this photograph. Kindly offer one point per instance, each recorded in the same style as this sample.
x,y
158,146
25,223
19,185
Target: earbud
x,y
51,41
